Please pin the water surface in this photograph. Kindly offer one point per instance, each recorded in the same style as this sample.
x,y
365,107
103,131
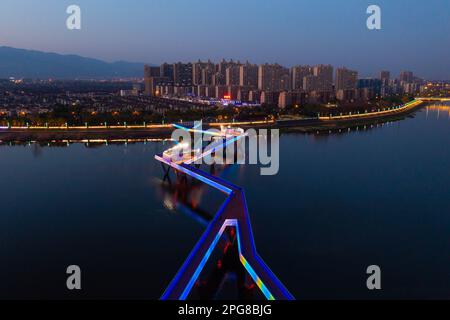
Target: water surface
x,y
340,203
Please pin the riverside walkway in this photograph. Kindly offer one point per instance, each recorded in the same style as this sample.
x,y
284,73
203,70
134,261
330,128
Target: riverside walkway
x,y
374,114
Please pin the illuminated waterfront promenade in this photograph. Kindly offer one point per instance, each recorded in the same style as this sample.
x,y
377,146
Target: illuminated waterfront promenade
x,y
165,127
156,131
377,113
432,99
127,127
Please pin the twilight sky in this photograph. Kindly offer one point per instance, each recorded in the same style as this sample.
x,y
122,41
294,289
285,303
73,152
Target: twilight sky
x,y
415,34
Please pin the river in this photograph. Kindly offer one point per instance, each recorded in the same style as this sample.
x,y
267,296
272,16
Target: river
x,y
340,203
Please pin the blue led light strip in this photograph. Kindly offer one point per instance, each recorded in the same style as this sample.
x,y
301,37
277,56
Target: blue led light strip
x,y
255,277
215,149
199,269
195,175
211,133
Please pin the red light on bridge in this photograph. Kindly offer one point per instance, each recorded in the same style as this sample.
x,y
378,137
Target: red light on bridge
x,y
227,97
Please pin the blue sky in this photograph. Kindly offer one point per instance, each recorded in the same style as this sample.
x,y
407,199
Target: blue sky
x,y
415,34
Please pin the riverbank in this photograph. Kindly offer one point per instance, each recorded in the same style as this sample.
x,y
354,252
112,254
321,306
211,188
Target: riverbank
x,y
164,131
107,133
340,122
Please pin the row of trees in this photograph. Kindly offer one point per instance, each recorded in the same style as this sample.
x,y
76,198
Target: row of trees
x,y
62,115
71,116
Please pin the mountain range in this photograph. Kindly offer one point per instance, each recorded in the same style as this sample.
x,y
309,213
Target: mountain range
x,y
22,63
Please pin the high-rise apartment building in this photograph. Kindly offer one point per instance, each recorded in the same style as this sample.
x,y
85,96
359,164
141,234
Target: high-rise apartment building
x,y
406,77
207,75
346,79
182,74
270,97
298,73
369,88
324,75
309,83
248,75
166,70
254,96
221,92
232,74
273,77
285,99
150,73
385,76
198,69
224,64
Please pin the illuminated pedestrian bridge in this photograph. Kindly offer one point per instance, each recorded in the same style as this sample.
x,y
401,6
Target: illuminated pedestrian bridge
x,y
227,246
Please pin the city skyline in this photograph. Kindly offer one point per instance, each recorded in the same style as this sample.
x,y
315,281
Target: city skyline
x,y
413,39
273,84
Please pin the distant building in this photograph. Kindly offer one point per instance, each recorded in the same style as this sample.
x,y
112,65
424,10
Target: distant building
x,y
273,77
201,91
165,90
197,68
254,96
207,75
150,73
166,70
244,93
411,88
346,95
285,99
310,83
182,74
270,97
182,91
385,76
219,73
233,92
232,74
224,64
320,96
324,74
152,83
248,75
218,79
395,86
406,77
198,72
373,85
221,92
346,79
210,91
298,73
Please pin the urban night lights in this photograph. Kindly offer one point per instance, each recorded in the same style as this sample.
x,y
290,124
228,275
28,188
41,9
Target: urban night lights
x,y
225,160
